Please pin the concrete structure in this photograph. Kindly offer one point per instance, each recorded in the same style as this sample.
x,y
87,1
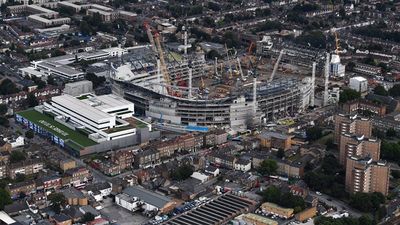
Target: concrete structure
x,y
359,84
364,175
361,105
27,167
99,190
74,197
78,88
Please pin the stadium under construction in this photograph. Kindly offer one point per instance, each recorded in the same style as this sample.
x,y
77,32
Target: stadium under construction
x,y
186,91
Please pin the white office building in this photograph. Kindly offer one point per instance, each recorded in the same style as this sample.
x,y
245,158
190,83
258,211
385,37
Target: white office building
x,y
104,117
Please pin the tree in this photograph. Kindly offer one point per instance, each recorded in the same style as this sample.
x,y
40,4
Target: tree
x,y
51,80
313,133
280,154
17,156
367,202
8,87
3,109
314,39
391,132
380,90
268,167
348,95
272,194
30,134
231,39
4,121
57,200
395,90
31,100
182,173
5,198
97,81
20,177
87,217
350,66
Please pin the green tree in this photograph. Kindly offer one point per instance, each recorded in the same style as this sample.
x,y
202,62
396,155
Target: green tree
x,y
8,87
380,90
87,217
31,100
20,177
4,121
97,81
51,80
313,133
5,198
268,167
367,202
231,39
280,153
395,90
57,200
348,95
182,173
272,194
17,156
391,132
3,109
350,66
29,134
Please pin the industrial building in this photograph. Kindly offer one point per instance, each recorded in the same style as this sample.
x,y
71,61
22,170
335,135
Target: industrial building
x,y
217,211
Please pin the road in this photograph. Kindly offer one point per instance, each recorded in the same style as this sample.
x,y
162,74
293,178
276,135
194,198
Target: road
x,y
340,205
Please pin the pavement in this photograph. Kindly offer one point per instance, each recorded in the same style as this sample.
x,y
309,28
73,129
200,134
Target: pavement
x,y
120,215
340,205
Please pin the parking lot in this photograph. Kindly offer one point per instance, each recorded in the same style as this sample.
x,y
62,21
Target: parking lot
x,y
120,215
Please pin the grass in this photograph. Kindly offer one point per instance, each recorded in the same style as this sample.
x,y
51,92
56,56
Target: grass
x,y
174,55
56,128
83,97
324,139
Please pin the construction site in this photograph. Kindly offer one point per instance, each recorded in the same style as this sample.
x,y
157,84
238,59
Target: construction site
x,y
241,91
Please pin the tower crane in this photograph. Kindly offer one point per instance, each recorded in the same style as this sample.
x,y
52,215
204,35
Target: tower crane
x,y
276,66
150,36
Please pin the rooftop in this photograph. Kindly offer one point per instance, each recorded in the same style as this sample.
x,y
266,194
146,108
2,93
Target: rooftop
x,y
149,197
58,129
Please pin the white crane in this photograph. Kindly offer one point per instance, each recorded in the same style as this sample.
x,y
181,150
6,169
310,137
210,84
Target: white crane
x,y
276,65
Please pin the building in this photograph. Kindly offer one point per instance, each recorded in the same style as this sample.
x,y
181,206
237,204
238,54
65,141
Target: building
x,y
149,201
361,105
219,211
242,164
365,175
74,197
251,218
336,69
99,190
27,167
3,169
306,214
27,187
359,84
101,115
77,177
367,69
351,145
275,209
61,219
78,88
275,140
348,124
67,164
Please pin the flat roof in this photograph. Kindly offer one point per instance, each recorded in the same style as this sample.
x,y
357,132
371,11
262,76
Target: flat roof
x,y
64,69
58,129
358,78
104,102
81,108
6,218
147,196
